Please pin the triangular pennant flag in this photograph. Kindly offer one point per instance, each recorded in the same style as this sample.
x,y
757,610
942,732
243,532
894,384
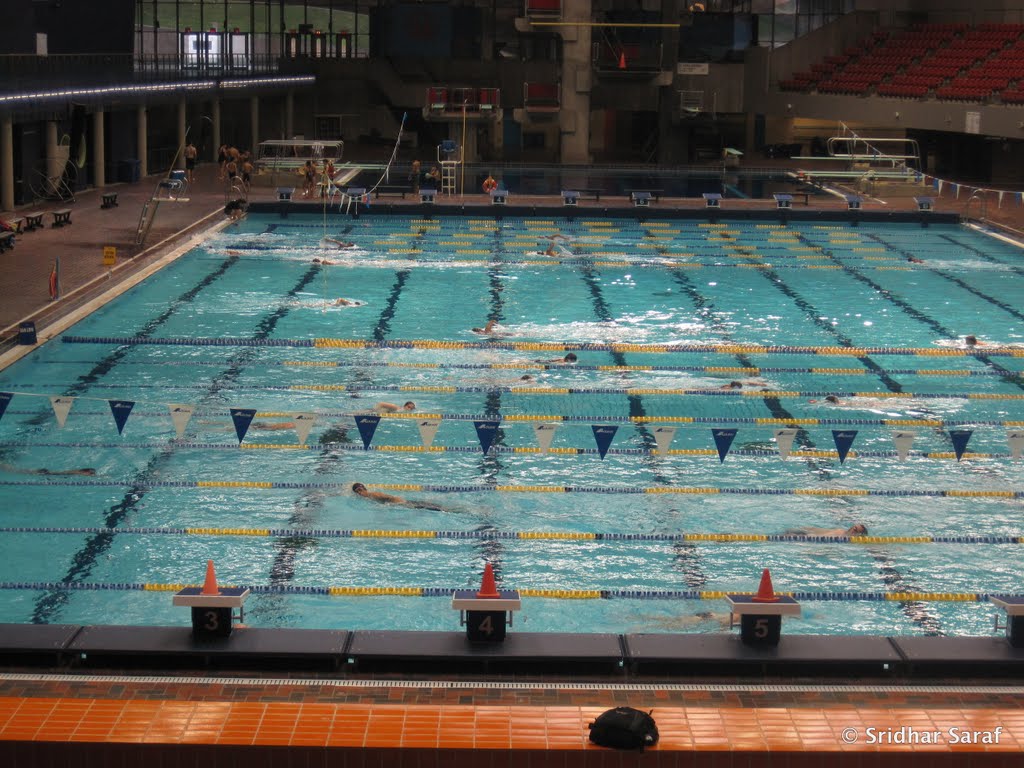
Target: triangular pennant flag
x,y
960,438
1016,440
5,400
544,433
486,431
367,425
1020,198
61,406
428,428
242,417
843,439
1000,202
303,424
121,410
723,439
180,415
663,437
903,441
784,439
603,435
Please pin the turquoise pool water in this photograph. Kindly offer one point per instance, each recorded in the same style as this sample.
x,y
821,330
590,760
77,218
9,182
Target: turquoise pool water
x,y
662,315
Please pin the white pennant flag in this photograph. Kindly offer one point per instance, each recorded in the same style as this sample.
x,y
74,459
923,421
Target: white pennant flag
x,y
428,428
61,406
544,434
784,439
903,442
1000,205
180,415
303,423
663,437
1016,439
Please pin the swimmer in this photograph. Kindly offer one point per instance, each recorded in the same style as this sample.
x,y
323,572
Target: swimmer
x,y
915,260
829,399
732,385
325,262
339,243
391,407
272,425
569,359
854,530
386,498
346,303
489,328
971,341
87,471
236,209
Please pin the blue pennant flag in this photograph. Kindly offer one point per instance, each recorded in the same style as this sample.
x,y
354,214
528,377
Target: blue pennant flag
x,y
486,431
5,400
243,418
843,439
960,438
121,410
723,440
367,425
603,435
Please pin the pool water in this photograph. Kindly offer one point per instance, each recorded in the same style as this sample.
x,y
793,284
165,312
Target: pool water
x,y
661,314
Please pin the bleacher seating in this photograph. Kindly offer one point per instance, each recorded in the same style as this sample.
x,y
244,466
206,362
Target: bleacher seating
x,y
945,61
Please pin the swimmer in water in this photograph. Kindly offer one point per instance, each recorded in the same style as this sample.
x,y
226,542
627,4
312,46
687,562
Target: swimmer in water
x,y
487,329
325,262
854,530
831,399
339,243
569,359
87,471
392,408
386,498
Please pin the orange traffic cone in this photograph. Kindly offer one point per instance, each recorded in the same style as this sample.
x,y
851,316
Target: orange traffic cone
x,y
766,592
622,60
210,585
487,586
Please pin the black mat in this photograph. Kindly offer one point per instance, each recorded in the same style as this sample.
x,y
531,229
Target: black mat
x,y
35,643
727,654
520,651
174,646
961,655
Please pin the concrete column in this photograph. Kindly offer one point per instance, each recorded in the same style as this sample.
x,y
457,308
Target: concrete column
x,y
289,115
254,120
182,114
99,159
6,163
215,139
54,165
142,123
574,117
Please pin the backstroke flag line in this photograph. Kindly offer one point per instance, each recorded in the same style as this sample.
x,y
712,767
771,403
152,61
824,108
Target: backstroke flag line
x,y
428,428
303,424
784,441
180,415
544,432
242,418
61,406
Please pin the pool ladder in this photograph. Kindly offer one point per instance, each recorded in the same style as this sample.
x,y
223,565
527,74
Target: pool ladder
x,y
983,204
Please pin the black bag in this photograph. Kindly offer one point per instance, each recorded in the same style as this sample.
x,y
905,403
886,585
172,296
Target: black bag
x,y
624,728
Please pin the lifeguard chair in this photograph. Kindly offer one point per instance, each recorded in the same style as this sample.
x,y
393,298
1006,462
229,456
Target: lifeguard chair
x,y
449,158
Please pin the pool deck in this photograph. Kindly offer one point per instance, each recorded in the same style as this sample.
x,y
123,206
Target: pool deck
x,y
56,716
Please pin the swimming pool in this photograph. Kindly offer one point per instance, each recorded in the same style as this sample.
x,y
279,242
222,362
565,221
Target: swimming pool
x,y
661,314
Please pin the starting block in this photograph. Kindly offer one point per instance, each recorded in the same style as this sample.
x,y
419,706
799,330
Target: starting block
x,y
486,613
712,200
285,193
924,203
853,202
761,614
783,201
499,196
570,197
427,195
212,606
641,199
